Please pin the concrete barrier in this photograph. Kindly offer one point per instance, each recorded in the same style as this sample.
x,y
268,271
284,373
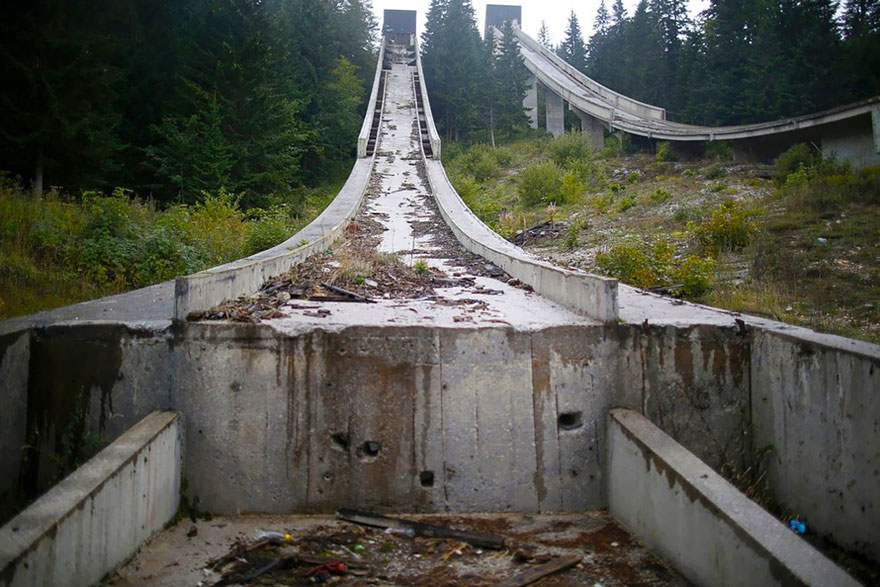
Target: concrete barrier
x,y
433,135
204,290
710,532
97,518
587,294
367,126
817,403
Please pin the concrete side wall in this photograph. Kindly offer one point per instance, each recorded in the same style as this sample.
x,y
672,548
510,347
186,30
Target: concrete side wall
x,y
620,101
14,353
95,519
709,531
591,295
460,418
819,408
367,126
433,135
204,290
68,391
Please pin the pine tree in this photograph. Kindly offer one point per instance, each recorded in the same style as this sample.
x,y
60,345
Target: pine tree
x,y
544,36
510,73
572,49
603,20
451,57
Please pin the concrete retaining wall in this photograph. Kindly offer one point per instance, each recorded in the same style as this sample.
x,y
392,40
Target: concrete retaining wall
x,y
433,135
67,391
818,404
709,531
95,519
460,417
591,295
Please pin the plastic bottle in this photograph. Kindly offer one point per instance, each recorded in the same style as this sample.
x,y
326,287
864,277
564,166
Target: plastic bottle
x,y
272,536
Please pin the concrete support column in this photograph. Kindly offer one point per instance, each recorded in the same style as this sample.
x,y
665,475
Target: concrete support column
x,y
875,125
592,127
555,114
530,102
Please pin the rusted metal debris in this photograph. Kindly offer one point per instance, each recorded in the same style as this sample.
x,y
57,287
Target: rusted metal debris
x,y
422,530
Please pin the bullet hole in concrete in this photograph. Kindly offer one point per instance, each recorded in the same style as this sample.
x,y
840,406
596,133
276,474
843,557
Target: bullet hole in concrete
x,y
200,432
371,448
235,386
328,477
571,420
426,478
574,472
340,440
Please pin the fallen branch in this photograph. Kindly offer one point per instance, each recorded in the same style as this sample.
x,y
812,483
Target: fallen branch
x,y
346,293
422,530
533,575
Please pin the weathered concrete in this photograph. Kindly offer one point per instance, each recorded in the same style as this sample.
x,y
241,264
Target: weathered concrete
x,y
72,390
375,97
622,113
95,519
856,140
530,101
280,424
588,294
555,113
710,532
433,135
593,128
819,408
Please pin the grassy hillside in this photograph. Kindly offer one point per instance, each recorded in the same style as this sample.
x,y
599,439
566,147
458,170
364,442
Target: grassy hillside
x,y
796,241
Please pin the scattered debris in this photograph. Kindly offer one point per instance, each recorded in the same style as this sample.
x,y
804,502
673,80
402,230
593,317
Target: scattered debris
x,y
534,575
422,530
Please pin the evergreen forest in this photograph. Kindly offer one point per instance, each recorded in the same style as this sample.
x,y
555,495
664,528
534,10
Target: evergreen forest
x,y
739,61
174,98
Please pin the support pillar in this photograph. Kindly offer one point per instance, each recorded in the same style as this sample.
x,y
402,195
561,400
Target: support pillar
x,y
593,128
555,113
875,125
530,102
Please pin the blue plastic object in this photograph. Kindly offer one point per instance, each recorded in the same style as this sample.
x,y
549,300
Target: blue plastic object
x,y
797,526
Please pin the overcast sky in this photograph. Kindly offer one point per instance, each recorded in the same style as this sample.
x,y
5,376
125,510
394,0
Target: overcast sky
x,y
554,12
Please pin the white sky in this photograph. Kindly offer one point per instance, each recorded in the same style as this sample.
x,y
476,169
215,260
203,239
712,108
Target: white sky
x,y
554,12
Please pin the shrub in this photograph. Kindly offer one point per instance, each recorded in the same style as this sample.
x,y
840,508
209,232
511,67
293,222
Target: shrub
x,y
267,228
589,171
719,150
570,147
798,157
627,203
481,203
641,263
571,187
665,152
540,184
570,241
482,162
714,171
695,276
729,227
659,195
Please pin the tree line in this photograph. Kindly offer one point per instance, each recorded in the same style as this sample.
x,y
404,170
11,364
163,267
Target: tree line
x,y
173,98
475,85
739,61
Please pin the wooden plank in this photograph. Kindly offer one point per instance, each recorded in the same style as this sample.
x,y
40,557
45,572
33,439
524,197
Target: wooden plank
x,y
536,574
422,530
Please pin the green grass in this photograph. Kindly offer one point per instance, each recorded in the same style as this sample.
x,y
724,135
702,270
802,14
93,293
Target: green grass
x,y
62,249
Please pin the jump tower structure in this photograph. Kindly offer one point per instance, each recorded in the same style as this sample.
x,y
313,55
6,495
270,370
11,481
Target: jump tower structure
x,y
591,395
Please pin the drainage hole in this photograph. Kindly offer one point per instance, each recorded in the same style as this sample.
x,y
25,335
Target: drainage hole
x,y
340,440
426,478
371,448
571,420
